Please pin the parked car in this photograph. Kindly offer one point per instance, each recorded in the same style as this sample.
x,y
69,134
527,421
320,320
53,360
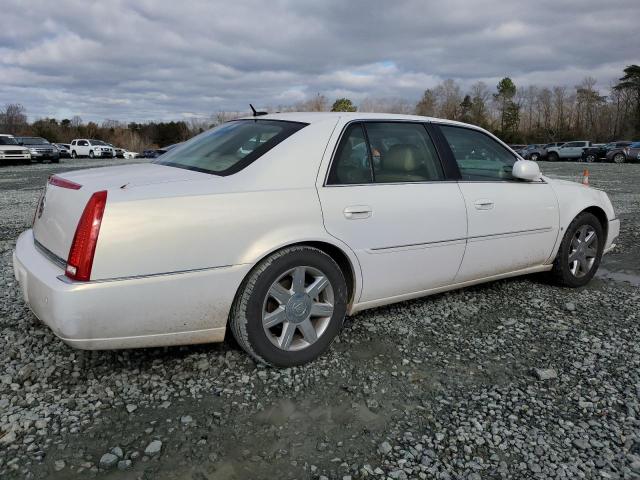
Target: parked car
x,y
518,148
280,243
632,152
86,147
129,155
63,150
534,152
40,149
568,151
599,151
552,150
156,152
620,153
12,152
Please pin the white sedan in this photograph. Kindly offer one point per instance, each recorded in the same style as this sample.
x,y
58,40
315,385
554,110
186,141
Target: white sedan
x,y
275,227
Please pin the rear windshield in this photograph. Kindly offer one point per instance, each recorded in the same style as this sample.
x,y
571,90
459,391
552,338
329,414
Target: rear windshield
x,y
229,147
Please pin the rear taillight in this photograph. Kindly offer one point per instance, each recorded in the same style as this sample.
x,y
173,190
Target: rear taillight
x,y
85,239
626,150
63,183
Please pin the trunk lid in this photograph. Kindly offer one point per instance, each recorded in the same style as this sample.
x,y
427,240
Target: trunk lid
x,y
59,209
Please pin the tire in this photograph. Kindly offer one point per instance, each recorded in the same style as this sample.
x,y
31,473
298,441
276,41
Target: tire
x,y
567,273
254,303
534,157
74,154
91,154
590,158
619,158
553,157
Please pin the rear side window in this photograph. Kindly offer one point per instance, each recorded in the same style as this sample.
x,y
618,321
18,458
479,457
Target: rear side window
x,y
385,152
352,163
230,147
479,157
402,152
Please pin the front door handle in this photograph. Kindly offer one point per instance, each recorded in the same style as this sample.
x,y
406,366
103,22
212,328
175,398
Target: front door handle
x,y
356,212
483,204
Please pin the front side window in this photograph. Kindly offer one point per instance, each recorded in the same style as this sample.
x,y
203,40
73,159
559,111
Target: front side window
x,y
229,147
479,157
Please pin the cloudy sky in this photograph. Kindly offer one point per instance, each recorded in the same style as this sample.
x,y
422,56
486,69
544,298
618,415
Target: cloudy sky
x,y
176,59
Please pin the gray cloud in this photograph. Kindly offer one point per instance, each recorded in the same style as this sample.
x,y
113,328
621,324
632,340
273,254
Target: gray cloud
x,y
151,59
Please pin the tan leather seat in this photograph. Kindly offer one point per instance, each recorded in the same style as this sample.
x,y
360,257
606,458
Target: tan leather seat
x,y
401,164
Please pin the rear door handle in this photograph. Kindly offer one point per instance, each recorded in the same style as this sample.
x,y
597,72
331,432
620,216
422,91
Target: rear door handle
x,y
483,204
356,212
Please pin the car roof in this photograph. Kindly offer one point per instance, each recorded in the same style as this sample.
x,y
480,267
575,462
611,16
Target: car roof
x,y
313,117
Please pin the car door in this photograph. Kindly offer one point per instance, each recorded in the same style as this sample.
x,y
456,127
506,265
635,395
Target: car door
x,y
386,195
512,224
570,150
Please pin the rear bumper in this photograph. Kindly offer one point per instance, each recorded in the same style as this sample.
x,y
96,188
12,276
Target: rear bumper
x,y
612,234
160,310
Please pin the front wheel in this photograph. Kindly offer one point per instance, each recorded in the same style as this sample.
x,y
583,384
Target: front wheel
x,y
590,158
290,307
535,157
580,252
91,154
553,157
74,154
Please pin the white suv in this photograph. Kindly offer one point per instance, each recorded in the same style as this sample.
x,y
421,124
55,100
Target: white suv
x,y
11,151
85,147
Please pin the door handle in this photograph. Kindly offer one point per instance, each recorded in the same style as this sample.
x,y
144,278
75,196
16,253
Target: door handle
x,y
356,212
483,204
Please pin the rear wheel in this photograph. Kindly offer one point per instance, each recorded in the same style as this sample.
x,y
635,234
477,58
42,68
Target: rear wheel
x,y
535,157
580,252
553,157
619,158
290,307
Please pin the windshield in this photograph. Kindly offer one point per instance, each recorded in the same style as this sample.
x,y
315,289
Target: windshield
x,y
229,147
8,141
33,141
97,142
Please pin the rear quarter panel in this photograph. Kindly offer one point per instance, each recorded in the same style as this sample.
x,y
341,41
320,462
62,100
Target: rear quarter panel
x,y
218,221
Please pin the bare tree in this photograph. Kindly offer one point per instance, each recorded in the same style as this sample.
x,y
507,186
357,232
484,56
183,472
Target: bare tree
x,y
13,118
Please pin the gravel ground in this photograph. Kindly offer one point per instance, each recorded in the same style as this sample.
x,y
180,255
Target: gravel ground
x,y
514,379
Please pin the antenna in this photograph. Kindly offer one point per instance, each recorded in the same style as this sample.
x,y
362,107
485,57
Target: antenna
x,y
256,113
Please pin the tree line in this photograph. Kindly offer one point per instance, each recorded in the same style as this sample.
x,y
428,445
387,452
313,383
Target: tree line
x,y
517,114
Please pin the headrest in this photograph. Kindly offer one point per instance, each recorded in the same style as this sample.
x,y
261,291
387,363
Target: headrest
x,y
401,158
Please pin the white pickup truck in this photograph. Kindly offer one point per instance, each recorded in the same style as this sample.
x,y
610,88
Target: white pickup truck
x,y
567,151
87,147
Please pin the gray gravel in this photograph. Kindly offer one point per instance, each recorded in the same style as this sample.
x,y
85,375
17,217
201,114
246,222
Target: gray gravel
x,y
515,379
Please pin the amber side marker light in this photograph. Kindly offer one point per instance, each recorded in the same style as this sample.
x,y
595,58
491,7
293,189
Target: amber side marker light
x,y
83,248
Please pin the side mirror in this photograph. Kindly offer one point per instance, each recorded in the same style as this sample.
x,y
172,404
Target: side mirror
x,y
526,170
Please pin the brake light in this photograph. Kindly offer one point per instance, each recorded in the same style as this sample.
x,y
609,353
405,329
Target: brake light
x,y
85,239
63,183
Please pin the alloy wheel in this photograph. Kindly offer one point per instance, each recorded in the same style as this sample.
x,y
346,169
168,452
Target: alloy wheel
x,y
298,308
618,158
590,158
583,251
